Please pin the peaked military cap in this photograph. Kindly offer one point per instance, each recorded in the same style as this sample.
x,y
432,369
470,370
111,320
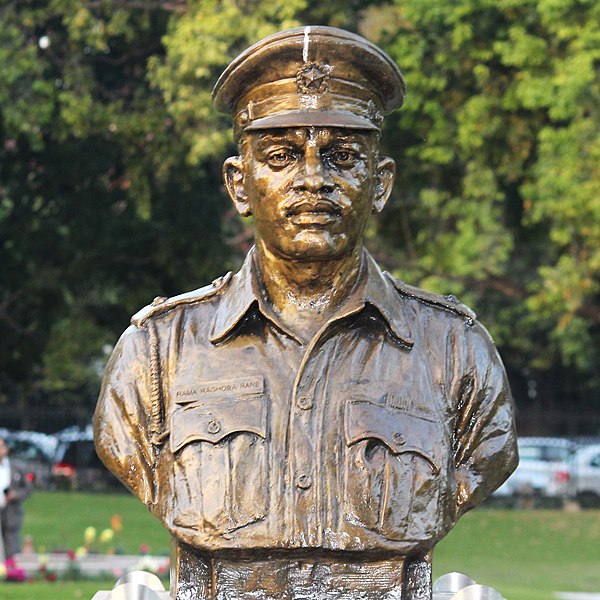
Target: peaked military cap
x,y
314,75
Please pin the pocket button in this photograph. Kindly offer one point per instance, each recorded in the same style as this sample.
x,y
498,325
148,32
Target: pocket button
x,y
213,426
399,439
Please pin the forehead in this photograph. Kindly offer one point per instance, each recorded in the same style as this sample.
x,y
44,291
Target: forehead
x,y
320,136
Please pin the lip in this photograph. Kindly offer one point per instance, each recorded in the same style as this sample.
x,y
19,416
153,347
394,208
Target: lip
x,y
314,212
314,217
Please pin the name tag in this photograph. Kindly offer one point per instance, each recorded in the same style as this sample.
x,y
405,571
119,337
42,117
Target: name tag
x,y
218,389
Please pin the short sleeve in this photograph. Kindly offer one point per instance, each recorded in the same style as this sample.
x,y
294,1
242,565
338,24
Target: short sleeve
x,y
122,417
485,450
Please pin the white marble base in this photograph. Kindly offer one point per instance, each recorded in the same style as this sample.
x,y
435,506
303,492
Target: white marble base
x,y
104,595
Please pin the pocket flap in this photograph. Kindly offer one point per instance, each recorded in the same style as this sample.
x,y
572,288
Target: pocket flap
x,y
398,430
212,421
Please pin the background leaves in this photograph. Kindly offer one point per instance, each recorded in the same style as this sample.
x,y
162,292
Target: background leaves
x,y
111,192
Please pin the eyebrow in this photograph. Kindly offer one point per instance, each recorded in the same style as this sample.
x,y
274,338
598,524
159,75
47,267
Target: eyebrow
x,y
267,139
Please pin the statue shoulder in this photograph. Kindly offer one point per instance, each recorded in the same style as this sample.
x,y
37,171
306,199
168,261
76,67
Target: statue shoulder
x,y
160,304
449,303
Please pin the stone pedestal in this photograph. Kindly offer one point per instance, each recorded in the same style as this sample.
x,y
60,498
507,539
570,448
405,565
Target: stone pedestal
x,y
106,596
136,585
456,586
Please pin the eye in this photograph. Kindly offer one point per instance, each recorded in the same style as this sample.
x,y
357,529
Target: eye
x,y
343,158
280,158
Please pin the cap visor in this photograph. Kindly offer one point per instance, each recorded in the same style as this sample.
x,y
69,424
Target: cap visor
x,y
310,118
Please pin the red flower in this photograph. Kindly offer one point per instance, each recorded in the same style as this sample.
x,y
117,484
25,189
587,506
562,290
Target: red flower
x,y
15,574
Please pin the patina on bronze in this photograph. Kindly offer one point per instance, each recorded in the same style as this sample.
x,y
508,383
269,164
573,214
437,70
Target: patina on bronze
x,y
309,427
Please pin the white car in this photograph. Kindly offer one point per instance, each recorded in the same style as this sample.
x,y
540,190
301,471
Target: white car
x,y
545,467
34,451
585,475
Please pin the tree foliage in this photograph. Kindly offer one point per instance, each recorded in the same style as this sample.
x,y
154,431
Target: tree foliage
x,y
99,210
504,102
110,187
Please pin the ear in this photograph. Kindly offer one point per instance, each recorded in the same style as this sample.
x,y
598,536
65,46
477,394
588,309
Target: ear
x,y
233,176
386,173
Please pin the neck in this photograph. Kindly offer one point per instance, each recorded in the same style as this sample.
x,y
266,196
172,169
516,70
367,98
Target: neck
x,y
303,293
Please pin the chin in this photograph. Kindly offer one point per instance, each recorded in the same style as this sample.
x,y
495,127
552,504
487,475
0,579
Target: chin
x,y
316,246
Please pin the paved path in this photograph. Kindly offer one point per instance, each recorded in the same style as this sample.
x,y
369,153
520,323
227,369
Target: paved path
x,y
95,564
576,596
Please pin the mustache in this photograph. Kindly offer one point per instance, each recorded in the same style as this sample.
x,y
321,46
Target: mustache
x,y
312,203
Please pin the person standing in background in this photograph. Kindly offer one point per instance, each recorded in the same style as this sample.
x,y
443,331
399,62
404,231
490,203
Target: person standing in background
x,y
15,487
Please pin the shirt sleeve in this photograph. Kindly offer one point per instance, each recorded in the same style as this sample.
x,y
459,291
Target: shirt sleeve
x,y
485,449
123,415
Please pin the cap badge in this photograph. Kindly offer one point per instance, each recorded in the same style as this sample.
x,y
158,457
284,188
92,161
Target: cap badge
x,y
374,114
313,78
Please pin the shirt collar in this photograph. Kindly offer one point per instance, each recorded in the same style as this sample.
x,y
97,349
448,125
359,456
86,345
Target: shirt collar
x,y
375,288
380,292
235,300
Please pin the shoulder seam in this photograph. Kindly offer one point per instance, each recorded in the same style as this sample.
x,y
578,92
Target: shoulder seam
x,y
449,303
161,304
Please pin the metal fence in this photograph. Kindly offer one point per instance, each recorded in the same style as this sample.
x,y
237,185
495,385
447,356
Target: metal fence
x,y
49,419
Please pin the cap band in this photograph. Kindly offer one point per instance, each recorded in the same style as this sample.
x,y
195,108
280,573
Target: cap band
x,y
293,109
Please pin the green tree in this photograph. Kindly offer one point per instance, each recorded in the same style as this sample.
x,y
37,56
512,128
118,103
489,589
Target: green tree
x,y
503,134
99,208
110,185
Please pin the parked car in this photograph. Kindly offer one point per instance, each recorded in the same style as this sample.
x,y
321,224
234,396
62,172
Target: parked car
x,y
545,468
77,466
586,475
35,451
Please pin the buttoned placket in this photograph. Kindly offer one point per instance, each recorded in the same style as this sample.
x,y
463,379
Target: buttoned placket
x,y
307,434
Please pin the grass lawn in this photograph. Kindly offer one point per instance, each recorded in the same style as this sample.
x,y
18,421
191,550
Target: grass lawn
x,y
526,555
57,521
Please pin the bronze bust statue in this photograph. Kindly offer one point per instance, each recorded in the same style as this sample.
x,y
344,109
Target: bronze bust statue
x,y
309,427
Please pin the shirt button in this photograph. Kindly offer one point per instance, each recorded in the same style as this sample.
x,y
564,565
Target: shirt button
x,y
305,403
399,439
304,481
213,426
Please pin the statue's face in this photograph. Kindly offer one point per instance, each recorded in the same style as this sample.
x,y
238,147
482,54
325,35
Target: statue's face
x,y
310,189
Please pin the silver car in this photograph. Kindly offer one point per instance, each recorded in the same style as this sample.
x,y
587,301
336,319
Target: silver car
x,y
545,467
586,475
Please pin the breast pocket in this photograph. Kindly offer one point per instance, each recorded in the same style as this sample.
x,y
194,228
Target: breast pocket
x,y
392,479
220,463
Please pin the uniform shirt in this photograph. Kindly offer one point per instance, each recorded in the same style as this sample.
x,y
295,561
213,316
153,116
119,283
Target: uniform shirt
x,y
375,436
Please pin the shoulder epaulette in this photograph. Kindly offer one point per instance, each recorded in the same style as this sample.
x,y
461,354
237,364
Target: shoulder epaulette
x,y
450,302
161,304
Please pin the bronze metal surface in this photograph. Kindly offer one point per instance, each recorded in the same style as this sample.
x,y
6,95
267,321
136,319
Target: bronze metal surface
x,y
309,427
310,76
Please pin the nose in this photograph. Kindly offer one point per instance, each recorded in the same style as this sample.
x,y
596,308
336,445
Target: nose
x,y
314,176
